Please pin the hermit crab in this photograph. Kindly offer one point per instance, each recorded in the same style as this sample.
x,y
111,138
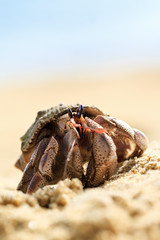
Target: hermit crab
x,y
64,139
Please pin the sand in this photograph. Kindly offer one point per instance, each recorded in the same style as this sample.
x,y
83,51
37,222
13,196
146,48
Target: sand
x,y
125,207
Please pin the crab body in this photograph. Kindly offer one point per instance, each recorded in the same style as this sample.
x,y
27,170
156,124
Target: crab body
x,y
63,138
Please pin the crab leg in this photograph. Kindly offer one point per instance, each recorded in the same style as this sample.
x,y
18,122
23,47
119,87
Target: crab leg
x,y
20,163
141,142
44,174
28,173
103,162
32,180
70,148
40,166
38,181
32,166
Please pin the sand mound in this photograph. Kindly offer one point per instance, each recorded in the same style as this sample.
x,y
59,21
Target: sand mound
x,y
126,207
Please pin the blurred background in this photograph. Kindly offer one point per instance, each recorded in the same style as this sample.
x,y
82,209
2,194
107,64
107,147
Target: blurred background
x,y
104,53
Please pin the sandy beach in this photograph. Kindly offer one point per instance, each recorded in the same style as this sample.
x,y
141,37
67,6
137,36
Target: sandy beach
x,y
126,207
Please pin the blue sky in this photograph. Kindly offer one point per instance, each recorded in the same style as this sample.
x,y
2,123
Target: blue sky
x,y
51,36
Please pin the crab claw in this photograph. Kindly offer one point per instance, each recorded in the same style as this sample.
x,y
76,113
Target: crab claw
x,y
70,148
129,142
104,158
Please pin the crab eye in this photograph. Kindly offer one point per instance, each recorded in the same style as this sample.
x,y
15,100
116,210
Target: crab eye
x,y
79,111
70,113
